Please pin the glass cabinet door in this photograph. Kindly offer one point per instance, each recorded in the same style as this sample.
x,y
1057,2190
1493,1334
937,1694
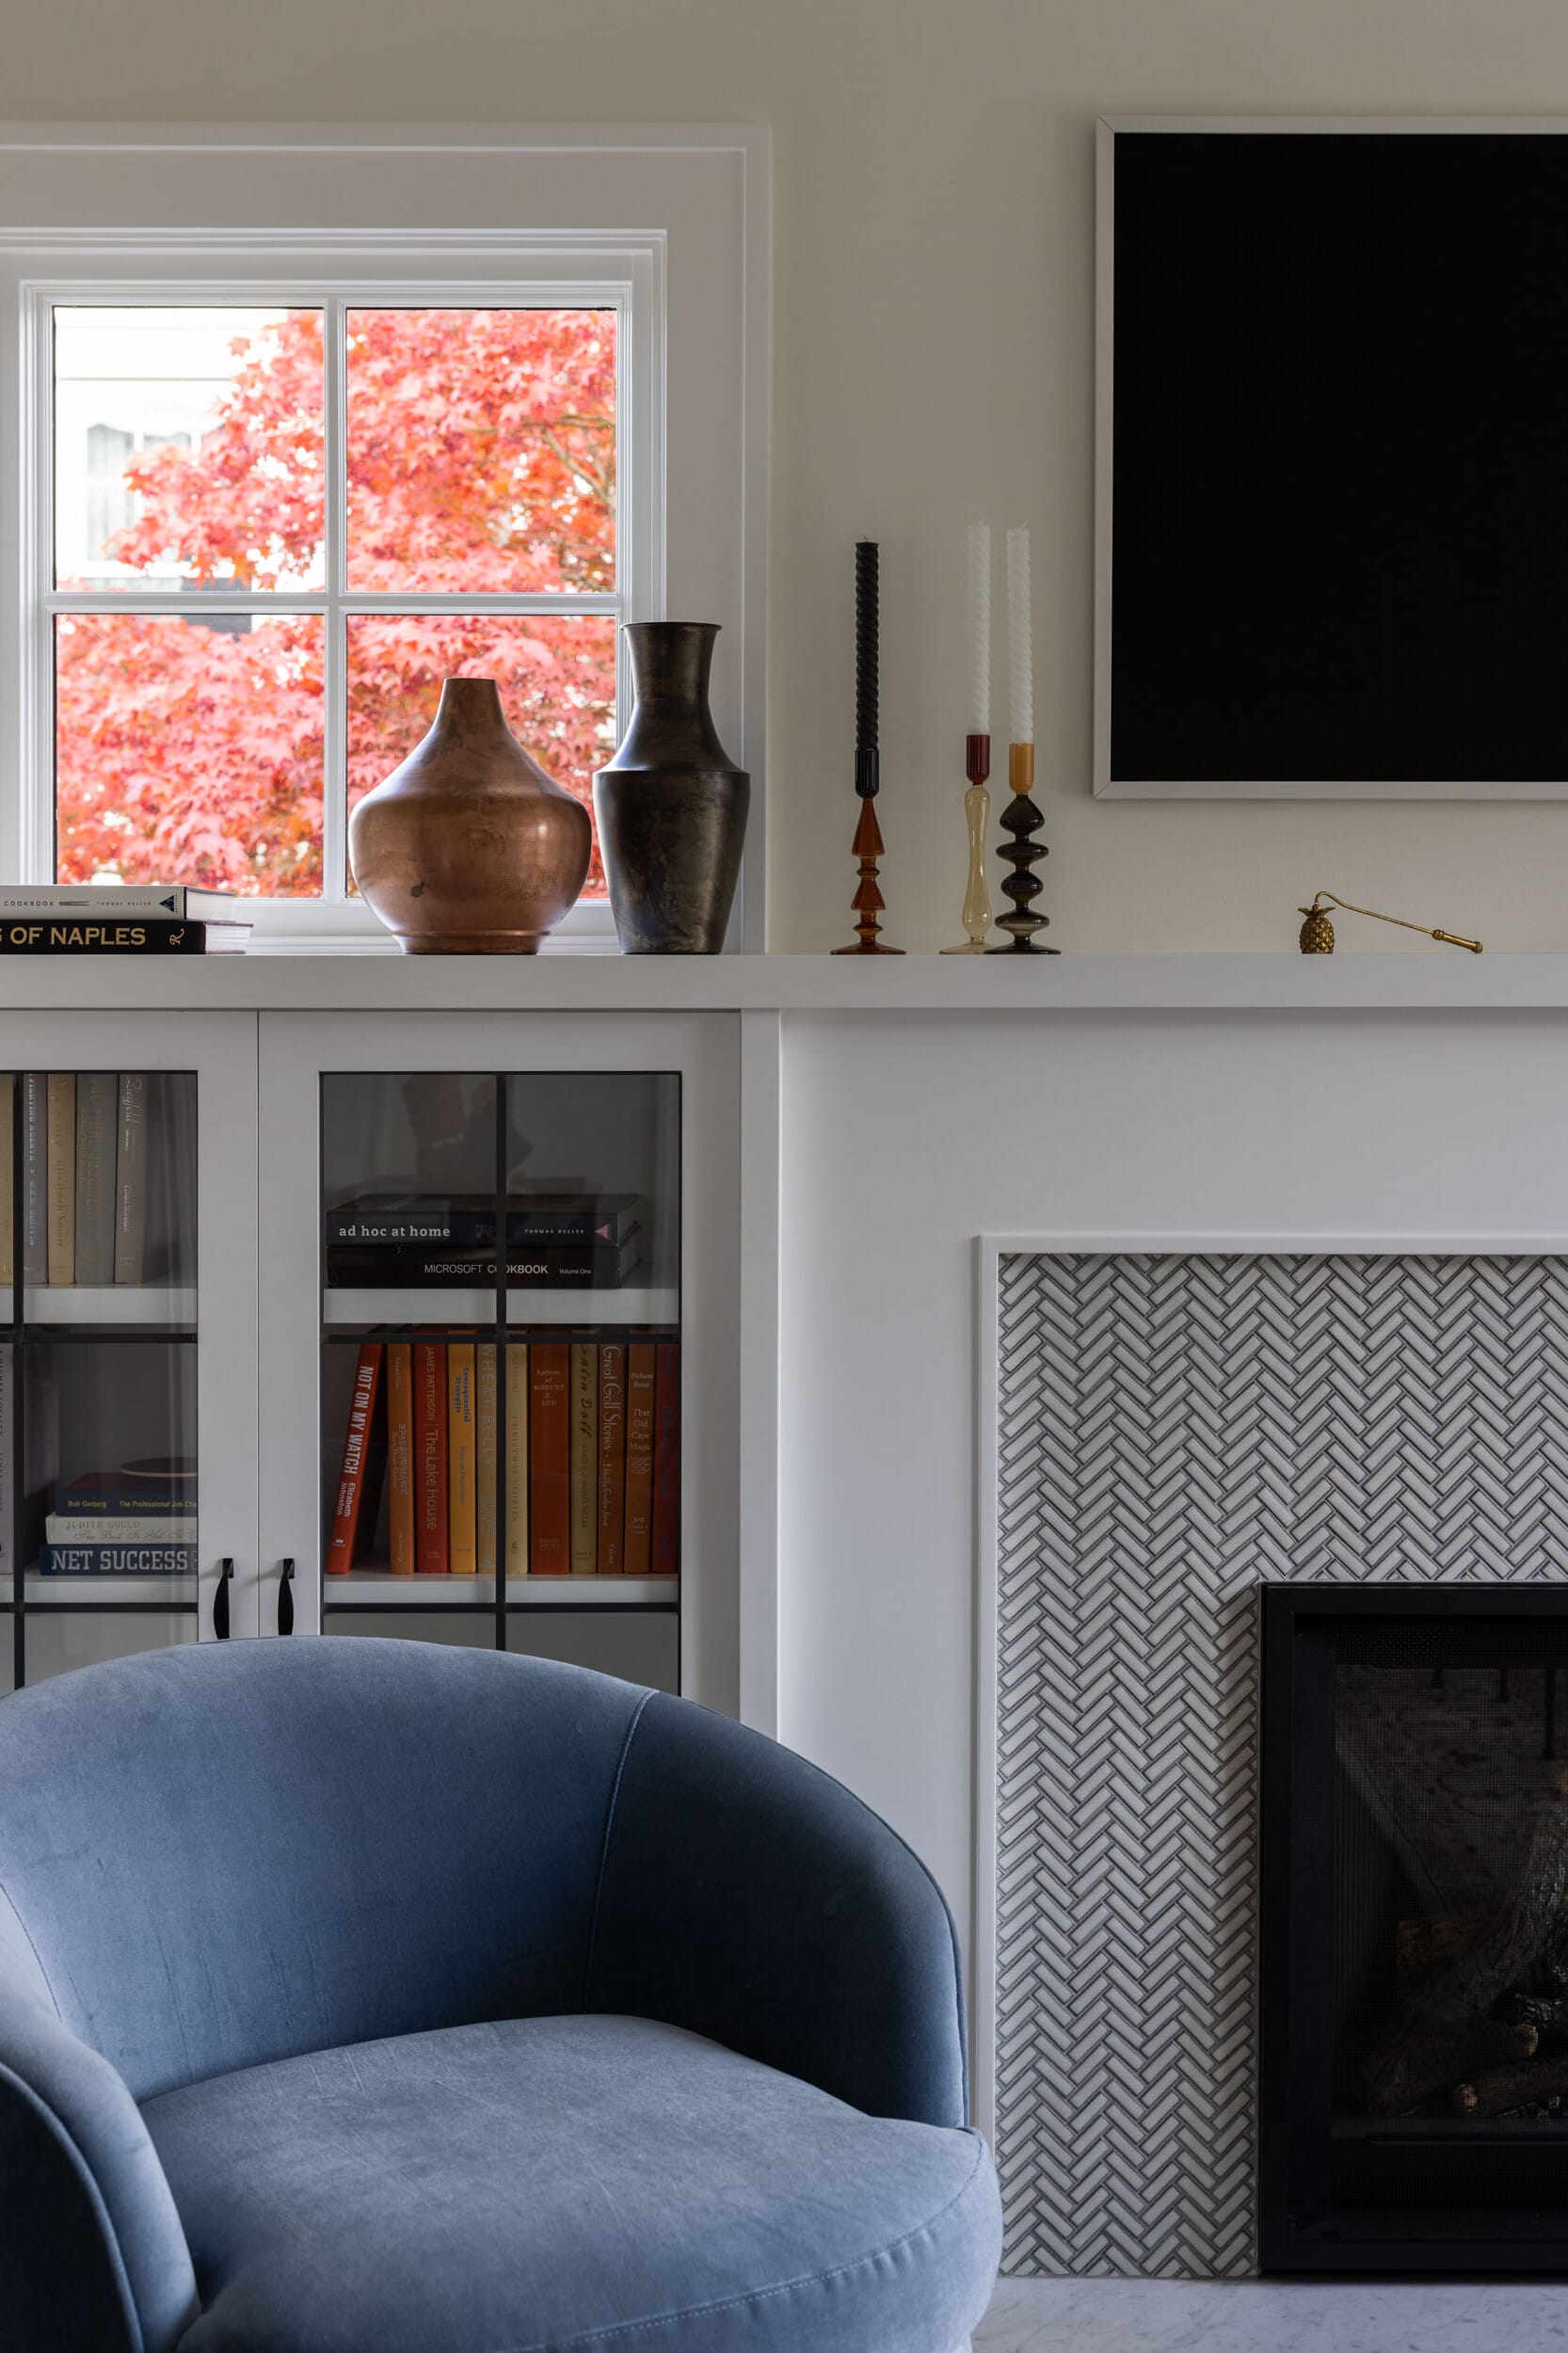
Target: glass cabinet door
x,y
497,1464
107,1521
500,1279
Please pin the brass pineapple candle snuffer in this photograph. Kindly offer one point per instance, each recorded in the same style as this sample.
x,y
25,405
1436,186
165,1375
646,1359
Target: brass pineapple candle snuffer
x,y
1317,933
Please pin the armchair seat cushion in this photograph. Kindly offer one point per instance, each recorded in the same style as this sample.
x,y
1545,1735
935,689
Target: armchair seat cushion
x,y
600,2184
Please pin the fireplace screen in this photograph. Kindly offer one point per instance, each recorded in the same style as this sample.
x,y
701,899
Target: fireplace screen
x,y
1415,1912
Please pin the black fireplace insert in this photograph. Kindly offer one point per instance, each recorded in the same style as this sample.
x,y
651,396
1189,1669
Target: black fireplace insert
x,y
1413,2074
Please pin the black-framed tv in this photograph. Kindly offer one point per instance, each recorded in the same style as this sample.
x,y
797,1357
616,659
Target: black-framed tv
x,y
1332,460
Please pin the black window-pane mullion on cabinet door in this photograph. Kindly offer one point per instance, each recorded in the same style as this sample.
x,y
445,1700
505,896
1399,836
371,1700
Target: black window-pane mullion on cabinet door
x,y
14,1386
502,1259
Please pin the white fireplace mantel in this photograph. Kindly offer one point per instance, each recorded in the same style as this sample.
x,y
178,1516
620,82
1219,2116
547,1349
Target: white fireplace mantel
x,y
1441,979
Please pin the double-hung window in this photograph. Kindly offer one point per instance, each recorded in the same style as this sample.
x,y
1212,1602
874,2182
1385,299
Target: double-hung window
x,y
267,486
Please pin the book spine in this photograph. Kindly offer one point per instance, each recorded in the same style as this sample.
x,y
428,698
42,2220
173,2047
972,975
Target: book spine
x,y
584,1228
548,1458
640,1377
611,1458
70,936
117,1503
97,1119
463,1557
356,1450
413,1267
130,1228
117,1559
442,1229
6,1493
8,1183
128,1528
98,899
664,1546
429,1458
584,1458
484,1456
62,1177
517,1458
400,1457
35,1177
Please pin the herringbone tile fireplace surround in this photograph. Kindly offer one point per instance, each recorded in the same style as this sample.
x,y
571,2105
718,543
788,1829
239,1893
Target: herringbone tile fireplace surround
x,y
1173,1430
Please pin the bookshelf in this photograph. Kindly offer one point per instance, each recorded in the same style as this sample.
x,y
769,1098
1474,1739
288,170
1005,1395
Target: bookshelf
x,y
237,1354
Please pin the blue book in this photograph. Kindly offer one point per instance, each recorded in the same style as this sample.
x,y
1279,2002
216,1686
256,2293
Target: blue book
x,y
117,1559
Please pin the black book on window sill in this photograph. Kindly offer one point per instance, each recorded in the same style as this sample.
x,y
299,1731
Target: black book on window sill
x,y
120,935
562,1267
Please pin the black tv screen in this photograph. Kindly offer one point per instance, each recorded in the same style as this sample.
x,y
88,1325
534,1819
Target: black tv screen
x,y
1335,500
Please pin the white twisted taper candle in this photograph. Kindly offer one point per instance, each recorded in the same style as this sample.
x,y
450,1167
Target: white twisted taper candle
x,y
1019,638
979,629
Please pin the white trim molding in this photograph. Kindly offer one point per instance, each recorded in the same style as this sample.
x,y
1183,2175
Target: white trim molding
x,y
669,225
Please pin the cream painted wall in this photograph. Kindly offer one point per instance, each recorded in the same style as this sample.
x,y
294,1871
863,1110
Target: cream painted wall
x,y
934,163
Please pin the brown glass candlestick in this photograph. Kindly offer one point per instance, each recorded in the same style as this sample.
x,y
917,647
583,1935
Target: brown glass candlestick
x,y
1021,819
977,809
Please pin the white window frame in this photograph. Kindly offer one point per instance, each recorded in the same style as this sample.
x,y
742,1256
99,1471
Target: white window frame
x,y
688,282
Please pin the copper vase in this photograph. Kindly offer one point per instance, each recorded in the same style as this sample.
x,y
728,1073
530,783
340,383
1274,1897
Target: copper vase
x,y
469,848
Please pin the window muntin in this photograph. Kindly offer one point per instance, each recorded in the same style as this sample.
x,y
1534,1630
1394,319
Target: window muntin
x,y
461,516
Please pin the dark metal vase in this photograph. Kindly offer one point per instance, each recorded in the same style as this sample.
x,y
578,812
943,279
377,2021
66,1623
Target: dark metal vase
x,y
671,805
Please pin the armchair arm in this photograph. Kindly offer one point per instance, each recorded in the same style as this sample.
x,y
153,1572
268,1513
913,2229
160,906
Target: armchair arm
x,y
749,1898
92,2256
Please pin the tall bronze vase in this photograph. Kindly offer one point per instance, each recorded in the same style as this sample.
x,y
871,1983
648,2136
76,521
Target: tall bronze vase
x,y
469,848
671,805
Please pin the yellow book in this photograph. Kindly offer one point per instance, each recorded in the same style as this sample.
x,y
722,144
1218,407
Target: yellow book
x,y
517,1459
583,1475
400,1457
484,1455
62,1177
462,1557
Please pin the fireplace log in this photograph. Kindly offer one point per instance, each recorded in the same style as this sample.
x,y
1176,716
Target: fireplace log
x,y
1434,1937
1424,2057
1504,2087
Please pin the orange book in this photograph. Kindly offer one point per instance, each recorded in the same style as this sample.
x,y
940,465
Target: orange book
x,y
400,1458
356,1452
665,1547
548,1458
640,1359
485,1456
611,1458
429,1458
461,1521
517,1458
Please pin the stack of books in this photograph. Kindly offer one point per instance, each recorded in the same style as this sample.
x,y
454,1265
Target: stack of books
x,y
137,1521
86,1143
592,1459
554,1240
120,919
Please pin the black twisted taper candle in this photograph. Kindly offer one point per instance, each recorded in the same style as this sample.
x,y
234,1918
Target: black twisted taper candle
x,y
868,902
867,626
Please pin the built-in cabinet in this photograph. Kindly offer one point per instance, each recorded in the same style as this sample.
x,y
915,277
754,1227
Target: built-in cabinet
x,y
469,1280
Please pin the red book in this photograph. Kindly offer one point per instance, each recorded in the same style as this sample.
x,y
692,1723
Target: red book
x,y
429,1459
665,1547
639,1458
549,1458
356,1452
611,1458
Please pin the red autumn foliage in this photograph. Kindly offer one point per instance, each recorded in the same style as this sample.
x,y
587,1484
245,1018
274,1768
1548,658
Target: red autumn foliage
x,y
480,459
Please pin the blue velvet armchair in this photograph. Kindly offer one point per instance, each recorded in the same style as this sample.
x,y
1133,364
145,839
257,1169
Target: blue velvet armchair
x,y
378,1997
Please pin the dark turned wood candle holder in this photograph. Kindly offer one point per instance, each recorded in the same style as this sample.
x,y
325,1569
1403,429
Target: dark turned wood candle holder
x,y
868,902
1021,819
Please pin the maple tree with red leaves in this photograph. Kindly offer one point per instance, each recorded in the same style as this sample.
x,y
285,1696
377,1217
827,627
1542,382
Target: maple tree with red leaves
x,y
480,459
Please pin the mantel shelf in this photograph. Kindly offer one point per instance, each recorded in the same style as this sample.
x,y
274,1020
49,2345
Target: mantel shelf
x,y
1440,980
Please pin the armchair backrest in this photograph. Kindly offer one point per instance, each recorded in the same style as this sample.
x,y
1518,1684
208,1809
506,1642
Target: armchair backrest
x,y
221,1855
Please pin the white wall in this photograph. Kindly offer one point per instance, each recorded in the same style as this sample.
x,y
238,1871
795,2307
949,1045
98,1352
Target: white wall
x,y
933,166
905,1137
